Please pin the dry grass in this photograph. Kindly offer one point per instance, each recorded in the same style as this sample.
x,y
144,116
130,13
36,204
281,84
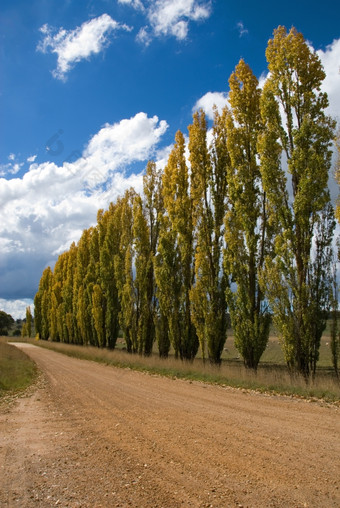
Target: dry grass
x,y
17,371
273,378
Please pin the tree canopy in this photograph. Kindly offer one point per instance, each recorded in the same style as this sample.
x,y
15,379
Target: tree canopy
x,y
238,225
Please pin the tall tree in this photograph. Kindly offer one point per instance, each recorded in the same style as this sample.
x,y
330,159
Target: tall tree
x,y
109,244
81,301
94,297
29,321
297,131
145,233
246,220
208,193
42,304
70,328
174,260
143,279
337,172
123,266
153,209
335,338
57,321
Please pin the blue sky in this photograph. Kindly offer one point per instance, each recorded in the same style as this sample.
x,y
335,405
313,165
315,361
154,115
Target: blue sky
x,y
89,91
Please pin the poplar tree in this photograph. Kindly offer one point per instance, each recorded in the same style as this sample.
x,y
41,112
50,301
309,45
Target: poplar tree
x,y
98,315
28,321
153,210
246,234
298,132
58,324
143,279
123,270
208,192
174,260
145,233
67,294
109,244
42,304
24,330
335,335
82,304
337,171
94,299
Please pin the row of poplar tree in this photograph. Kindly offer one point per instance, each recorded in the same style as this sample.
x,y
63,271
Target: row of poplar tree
x,y
240,227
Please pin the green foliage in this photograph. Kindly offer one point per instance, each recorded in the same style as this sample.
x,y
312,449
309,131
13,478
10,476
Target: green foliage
x,y
174,259
6,321
297,278
43,304
123,270
337,171
208,193
247,234
249,224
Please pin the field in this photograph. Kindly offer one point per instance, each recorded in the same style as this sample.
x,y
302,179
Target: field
x,y
17,370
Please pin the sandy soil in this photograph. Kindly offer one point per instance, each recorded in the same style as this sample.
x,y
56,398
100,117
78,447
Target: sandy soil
x,y
94,436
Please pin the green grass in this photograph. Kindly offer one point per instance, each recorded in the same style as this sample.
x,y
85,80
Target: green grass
x,y
270,378
17,370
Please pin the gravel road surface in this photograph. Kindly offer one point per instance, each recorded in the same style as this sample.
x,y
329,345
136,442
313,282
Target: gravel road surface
x,y
89,435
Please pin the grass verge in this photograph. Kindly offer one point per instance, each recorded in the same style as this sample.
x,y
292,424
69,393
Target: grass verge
x,y
17,370
273,379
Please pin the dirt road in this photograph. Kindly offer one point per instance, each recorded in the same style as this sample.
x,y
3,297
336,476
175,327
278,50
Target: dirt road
x,y
97,436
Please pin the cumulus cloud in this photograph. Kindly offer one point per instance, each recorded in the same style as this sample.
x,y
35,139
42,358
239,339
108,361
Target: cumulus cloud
x,y
48,208
137,4
209,100
72,46
16,308
172,17
330,59
169,17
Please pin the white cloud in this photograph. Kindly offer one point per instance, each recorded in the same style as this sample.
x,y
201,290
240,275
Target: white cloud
x,y
169,17
144,36
48,208
16,308
330,59
137,4
31,158
209,100
72,46
10,168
